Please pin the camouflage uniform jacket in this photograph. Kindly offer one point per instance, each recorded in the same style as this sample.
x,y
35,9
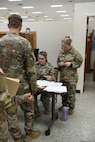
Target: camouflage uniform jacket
x,y
69,74
45,70
17,61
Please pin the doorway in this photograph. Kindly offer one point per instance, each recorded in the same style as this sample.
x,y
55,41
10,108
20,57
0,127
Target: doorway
x,y
89,73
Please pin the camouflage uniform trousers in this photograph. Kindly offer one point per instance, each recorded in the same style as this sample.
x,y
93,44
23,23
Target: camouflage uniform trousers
x,y
68,99
7,105
5,140
45,98
28,109
3,127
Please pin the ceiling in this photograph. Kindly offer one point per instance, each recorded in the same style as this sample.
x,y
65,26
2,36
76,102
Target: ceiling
x,y
47,13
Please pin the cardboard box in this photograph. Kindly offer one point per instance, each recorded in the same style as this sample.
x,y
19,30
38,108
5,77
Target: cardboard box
x,y
13,85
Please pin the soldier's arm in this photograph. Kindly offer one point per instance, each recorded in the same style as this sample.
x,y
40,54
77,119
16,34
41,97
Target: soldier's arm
x,y
58,61
11,102
60,64
77,60
30,67
23,98
52,73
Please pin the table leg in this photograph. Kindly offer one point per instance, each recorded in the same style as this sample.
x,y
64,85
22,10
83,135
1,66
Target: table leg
x,y
54,115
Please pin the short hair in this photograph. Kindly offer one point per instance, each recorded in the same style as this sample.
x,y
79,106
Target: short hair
x,y
15,20
44,53
67,40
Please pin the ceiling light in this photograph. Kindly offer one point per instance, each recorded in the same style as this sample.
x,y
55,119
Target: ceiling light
x,y
27,7
64,15
31,19
14,13
2,8
67,18
39,12
56,5
2,17
24,17
61,11
48,19
45,16
2,20
14,0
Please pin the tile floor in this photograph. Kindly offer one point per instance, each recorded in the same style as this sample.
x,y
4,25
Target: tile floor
x,y
80,127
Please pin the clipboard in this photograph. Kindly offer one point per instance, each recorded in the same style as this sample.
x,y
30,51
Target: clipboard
x,y
13,85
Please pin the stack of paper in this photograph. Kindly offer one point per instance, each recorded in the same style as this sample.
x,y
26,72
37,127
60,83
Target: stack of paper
x,y
48,83
56,89
51,86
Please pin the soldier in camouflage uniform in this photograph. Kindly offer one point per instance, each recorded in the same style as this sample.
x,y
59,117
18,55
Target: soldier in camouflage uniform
x,y
69,60
17,60
7,104
44,71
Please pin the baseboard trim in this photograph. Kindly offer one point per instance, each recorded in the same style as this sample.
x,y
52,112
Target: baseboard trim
x,y
77,91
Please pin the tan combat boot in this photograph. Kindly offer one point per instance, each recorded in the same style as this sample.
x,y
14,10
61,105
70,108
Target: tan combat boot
x,y
33,135
47,111
71,111
17,140
37,114
60,108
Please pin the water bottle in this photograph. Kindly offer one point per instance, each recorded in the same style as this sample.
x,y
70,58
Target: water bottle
x,y
65,113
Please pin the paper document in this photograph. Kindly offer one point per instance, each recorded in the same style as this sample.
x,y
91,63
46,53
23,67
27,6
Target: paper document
x,y
56,89
13,85
48,83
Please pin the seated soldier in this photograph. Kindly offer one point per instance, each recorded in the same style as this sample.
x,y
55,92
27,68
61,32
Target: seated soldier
x,y
44,71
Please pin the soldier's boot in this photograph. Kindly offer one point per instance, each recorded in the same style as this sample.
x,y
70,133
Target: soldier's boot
x,y
33,135
47,111
17,140
37,114
60,108
71,111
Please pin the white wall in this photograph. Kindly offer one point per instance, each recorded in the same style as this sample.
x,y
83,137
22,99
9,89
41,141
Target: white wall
x,y
82,10
49,35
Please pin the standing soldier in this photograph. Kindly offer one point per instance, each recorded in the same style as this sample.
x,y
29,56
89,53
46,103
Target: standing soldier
x,y
17,60
44,71
69,60
7,104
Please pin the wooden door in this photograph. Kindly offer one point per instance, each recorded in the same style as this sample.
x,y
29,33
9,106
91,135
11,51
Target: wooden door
x,y
32,38
88,54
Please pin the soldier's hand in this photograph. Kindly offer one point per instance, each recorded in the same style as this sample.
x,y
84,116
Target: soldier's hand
x,y
1,71
28,97
67,64
61,63
49,78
